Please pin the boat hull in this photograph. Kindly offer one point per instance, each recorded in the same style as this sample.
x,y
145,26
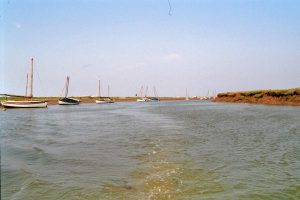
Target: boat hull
x,y
154,99
104,101
101,102
68,101
24,104
143,100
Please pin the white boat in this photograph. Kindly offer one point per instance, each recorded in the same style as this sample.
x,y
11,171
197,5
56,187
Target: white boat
x,y
26,103
67,100
102,100
105,100
145,98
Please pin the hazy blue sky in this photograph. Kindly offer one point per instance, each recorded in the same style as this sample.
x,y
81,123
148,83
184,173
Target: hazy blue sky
x,y
222,45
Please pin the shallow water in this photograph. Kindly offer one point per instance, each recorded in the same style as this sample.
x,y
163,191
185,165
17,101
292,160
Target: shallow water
x,y
164,150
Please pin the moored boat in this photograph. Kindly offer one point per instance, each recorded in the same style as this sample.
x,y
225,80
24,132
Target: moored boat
x,y
26,103
145,99
67,100
103,100
154,99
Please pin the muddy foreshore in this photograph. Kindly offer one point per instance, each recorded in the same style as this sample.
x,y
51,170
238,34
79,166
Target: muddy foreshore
x,y
289,97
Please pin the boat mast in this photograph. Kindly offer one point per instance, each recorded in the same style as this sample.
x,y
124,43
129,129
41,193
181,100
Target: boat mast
x,y
31,78
186,94
141,91
67,86
26,85
108,91
155,93
99,94
146,91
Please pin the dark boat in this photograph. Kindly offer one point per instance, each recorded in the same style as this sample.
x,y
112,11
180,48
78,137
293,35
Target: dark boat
x,y
66,100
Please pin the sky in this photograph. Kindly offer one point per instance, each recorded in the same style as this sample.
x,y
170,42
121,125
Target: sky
x,y
204,46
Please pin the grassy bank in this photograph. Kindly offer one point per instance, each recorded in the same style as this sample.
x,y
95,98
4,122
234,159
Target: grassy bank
x,y
273,97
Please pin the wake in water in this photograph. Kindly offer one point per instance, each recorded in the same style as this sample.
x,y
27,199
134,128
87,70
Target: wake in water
x,y
160,176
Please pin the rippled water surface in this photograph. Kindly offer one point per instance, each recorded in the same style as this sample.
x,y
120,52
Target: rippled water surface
x,y
166,150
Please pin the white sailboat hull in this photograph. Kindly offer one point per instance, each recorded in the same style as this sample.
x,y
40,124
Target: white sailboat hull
x,y
104,101
101,102
143,100
24,104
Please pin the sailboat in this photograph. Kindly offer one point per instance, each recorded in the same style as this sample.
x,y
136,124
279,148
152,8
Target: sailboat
x,y
143,99
108,99
103,100
27,103
67,100
155,98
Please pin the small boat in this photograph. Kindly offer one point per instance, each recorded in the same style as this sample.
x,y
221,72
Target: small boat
x,y
26,103
102,100
67,100
154,99
145,98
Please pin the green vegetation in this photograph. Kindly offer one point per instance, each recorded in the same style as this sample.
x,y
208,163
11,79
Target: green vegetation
x,y
227,94
262,93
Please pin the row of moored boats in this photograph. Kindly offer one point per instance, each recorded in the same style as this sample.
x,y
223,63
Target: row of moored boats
x,y
63,101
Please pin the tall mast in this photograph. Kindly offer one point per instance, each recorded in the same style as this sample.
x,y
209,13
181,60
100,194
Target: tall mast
x,y
26,85
67,86
108,91
186,94
31,78
141,91
146,91
99,94
155,93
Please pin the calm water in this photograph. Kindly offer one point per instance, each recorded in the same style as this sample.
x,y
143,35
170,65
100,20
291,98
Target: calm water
x,y
166,150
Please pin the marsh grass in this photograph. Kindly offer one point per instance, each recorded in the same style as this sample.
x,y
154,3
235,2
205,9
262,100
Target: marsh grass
x,y
262,93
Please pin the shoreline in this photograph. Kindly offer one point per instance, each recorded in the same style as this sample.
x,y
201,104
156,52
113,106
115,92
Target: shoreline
x,y
288,97
89,99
